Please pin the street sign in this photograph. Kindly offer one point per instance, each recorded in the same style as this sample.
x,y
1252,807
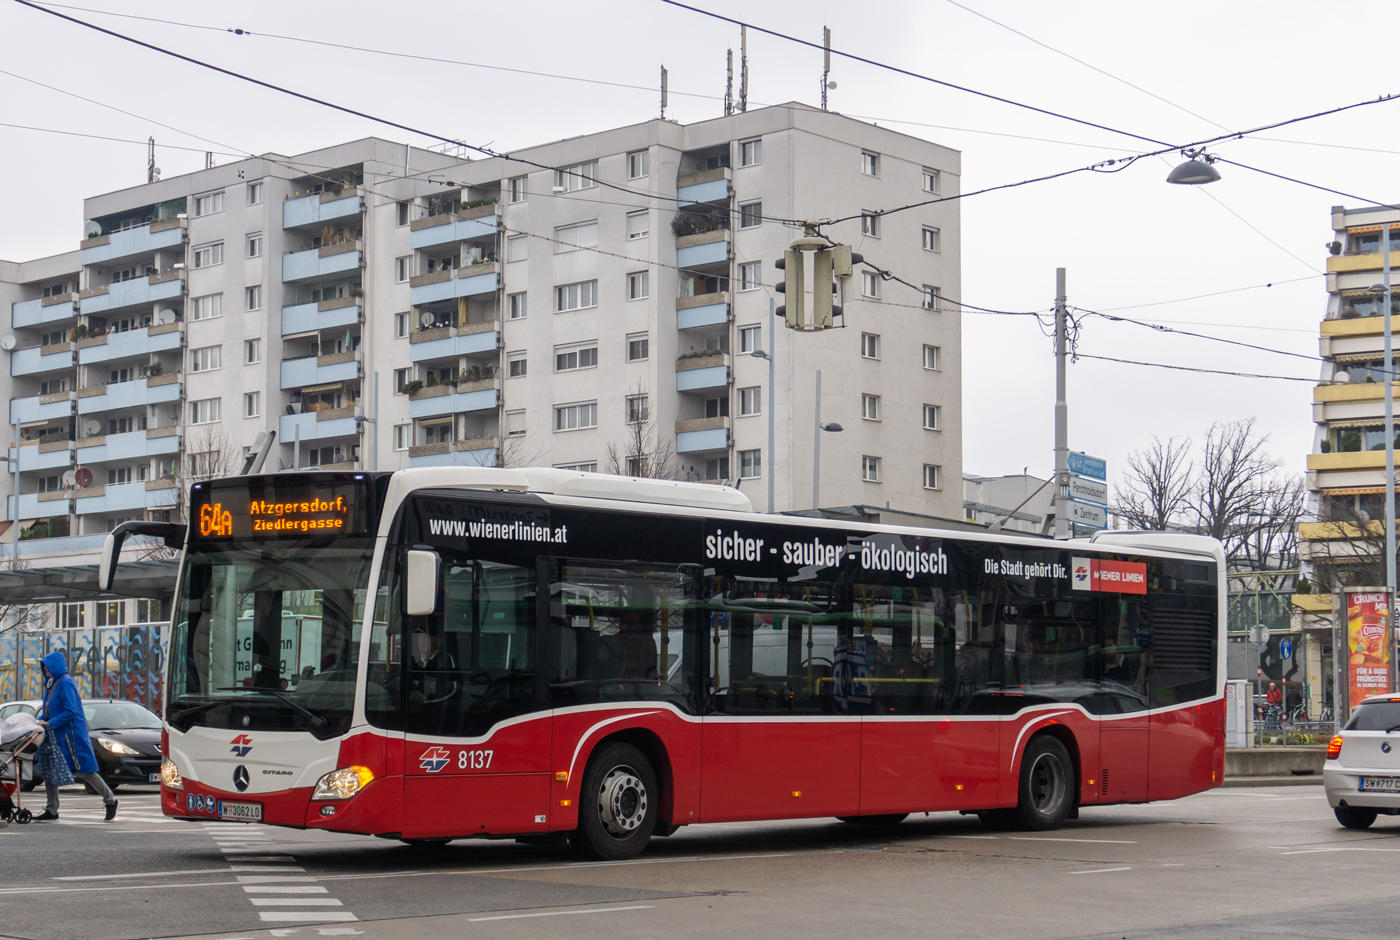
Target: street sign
x,y
1086,466
1088,491
1086,514
1259,633
1285,648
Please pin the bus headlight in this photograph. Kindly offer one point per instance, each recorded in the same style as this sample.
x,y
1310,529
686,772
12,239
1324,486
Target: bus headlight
x,y
170,775
343,783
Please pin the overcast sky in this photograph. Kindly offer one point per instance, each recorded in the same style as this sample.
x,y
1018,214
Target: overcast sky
x,y
1127,238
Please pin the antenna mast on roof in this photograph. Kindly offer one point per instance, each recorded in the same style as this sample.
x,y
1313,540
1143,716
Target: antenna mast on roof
x,y
826,61
152,174
729,83
743,68
663,92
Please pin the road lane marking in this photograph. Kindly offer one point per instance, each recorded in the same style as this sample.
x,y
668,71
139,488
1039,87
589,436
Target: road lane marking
x,y
305,916
286,889
1062,839
565,867
593,910
303,902
272,879
1101,871
1339,848
291,900
974,837
144,874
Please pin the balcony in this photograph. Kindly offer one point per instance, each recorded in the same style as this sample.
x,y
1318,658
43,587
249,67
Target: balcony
x,y
450,341
702,373
133,242
1352,460
704,186
1313,603
137,292
1353,326
64,545
702,310
34,455
38,505
453,227
320,370
320,262
319,425
152,391
1341,264
43,310
132,445
451,400
1361,391
477,452
328,314
125,497
130,343
703,248
41,407
469,281
37,360
321,208
702,434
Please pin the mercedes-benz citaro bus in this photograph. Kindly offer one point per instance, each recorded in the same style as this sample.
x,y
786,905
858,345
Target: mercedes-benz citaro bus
x,y
441,653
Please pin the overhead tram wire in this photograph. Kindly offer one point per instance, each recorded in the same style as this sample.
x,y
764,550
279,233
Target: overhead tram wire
x,y
1290,179
119,140
1165,365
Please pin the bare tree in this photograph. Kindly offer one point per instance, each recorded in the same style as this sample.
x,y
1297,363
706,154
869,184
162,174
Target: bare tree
x,y
518,450
1350,547
17,616
1154,493
644,452
208,454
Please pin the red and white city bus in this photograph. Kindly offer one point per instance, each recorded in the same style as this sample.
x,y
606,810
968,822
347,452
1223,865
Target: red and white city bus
x,y
442,653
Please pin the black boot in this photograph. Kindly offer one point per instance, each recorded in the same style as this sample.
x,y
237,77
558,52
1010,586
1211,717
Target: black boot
x,y
111,811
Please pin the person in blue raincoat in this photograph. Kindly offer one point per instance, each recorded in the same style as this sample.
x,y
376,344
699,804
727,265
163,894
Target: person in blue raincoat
x,y
63,715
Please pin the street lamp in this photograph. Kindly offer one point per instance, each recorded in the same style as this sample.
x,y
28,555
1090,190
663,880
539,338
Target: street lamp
x,y
832,427
1195,172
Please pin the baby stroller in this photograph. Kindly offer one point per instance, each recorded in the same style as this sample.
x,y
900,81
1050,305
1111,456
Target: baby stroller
x,y
20,738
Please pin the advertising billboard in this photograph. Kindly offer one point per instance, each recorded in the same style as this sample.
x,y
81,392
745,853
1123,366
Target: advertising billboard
x,y
1368,644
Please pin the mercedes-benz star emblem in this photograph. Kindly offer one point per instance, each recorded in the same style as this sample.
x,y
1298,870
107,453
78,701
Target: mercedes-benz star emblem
x,y
240,778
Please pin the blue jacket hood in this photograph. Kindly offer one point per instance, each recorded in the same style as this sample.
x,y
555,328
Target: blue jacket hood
x,y
57,664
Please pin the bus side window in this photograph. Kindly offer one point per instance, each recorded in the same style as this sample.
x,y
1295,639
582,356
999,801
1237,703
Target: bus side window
x,y
913,669
384,687
1125,649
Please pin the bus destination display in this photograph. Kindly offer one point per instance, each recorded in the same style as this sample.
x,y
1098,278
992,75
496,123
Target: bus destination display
x,y
283,511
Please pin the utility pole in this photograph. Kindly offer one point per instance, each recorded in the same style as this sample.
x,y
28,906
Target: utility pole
x,y
1389,450
817,447
1062,527
772,403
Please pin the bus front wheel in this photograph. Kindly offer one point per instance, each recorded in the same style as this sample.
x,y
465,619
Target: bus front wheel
x,y
1047,784
618,804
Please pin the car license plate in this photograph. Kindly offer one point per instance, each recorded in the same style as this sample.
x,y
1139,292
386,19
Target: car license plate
x,y
241,812
1380,783
155,778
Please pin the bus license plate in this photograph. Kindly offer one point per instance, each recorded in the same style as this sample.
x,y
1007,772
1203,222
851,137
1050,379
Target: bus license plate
x,y
241,812
1380,783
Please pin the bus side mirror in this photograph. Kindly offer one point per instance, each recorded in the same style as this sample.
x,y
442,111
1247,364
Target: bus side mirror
x,y
420,583
171,533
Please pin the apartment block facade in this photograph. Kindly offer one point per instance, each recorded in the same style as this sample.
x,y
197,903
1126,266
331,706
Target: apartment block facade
x,y
590,303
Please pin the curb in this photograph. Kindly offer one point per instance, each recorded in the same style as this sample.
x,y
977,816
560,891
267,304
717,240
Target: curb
x,y
1275,780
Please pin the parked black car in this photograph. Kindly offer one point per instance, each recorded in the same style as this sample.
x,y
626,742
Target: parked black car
x,y
125,738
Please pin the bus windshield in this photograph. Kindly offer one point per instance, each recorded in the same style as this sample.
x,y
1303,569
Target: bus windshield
x,y
267,635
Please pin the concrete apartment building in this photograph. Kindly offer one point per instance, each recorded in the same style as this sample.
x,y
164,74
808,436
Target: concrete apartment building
x,y
1021,499
379,305
1346,469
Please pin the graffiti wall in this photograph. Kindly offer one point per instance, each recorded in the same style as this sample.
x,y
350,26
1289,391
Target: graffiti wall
x,y
119,662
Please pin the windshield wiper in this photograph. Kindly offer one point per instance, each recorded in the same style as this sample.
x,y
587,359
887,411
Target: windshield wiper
x,y
317,721
193,709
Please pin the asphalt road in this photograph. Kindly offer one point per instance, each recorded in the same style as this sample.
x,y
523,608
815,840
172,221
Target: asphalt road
x,y
1229,863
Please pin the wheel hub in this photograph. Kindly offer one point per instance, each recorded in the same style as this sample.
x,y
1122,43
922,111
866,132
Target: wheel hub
x,y
1047,785
622,802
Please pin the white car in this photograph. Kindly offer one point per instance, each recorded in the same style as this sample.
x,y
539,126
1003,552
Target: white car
x,y
1362,772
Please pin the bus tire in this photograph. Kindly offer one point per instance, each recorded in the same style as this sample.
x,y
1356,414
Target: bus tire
x,y
887,819
999,820
618,804
1047,784
1355,817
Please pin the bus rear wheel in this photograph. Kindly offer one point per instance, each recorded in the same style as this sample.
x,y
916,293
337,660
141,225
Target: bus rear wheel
x,y
1047,784
618,804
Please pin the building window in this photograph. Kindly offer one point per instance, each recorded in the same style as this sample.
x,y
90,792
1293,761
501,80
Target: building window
x,y
870,407
255,297
54,338
638,164
932,297
576,296
516,365
517,306
206,411
50,484
255,245
252,351
637,410
206,358
517,248
576,417
403,213
870,345
750,214
255,193
638,224
252,404
933,477
206,256
579,176
118,376
590,466
750,273
717,469
869,284
515,423
932,354
110,613
750,401
638,347
401,378
518,190
933,418
751,152
870,223
576,236
750,338
403,434
638,285
931,181
571,358
401,325
750,464
869,163
403,268
931,239
717,407
870,469
209,203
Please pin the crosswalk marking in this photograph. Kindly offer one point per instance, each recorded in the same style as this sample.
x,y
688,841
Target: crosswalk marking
x,y
268,878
